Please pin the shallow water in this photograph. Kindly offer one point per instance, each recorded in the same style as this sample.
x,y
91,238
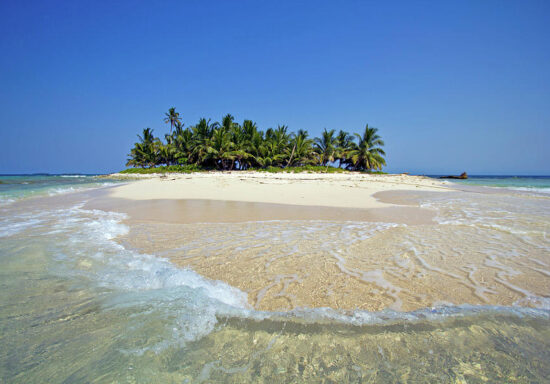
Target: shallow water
x,y
76,305
539,184
483,249
16,187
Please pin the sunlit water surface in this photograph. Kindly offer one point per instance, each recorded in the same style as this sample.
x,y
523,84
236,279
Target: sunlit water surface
x,y
77,306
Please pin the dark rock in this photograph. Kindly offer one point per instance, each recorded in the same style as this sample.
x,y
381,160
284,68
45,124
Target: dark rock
x,y
463,176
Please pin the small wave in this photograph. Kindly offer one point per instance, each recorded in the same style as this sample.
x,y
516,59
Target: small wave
x,y
195,303
389,316
545,191
78,188
15,228
51,191
512,188
6,201
63,190
83,241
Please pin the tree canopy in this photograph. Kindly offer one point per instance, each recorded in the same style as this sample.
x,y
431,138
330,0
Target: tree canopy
x,y
232,146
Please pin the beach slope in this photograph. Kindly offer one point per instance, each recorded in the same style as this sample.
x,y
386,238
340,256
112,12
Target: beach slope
x,y
344,190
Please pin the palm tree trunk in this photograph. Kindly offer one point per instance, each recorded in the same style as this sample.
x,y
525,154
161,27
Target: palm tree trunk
x,y
326,170
291,155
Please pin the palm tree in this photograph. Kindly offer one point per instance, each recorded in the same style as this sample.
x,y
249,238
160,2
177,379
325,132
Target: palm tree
x,y
344,143
183,140
202,133
219,150
146,152
326,146
302,149
367,154
257,148
248,141
276,145
231,146
228,123
172,117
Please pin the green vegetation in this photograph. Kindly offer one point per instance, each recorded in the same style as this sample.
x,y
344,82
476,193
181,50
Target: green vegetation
x,y
231,146
164,169
191,168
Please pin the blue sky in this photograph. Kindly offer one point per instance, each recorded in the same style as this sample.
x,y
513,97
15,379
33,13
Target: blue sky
x,y
452,86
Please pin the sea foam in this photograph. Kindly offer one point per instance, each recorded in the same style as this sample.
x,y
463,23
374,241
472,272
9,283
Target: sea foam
x,y
83,243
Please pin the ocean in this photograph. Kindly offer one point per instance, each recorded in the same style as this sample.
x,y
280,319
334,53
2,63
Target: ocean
x,y
540,184
77,305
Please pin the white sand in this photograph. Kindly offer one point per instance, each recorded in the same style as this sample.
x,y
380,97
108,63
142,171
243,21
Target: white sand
x,y
345,190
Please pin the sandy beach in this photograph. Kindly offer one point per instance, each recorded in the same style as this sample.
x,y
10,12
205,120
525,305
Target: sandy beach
x,y
344,190
344,241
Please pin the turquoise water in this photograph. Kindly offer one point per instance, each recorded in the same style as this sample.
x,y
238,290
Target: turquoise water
x,y
77,306
539,184
15,187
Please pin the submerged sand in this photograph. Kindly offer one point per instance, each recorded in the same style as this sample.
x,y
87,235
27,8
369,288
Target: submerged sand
x,y
341,241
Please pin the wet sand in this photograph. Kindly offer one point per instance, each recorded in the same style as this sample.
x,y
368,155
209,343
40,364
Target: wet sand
x,y
278,273
289,256
64,278
180,211
281,270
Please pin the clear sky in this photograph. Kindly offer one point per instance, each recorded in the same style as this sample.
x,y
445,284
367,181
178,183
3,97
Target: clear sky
x,y
452,86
